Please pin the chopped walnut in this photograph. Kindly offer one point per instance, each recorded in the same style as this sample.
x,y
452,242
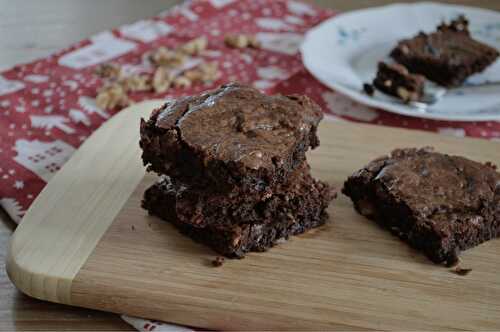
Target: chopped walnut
x,y
406,95
165,57
162,79
205,72
195,46
111,96
136,83
210,71
168,64
109,70
461,271
253,42
241,41
182,82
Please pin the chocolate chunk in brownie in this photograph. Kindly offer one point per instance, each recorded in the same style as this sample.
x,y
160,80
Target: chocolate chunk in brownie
x,y
234,136
438,203
395,80
235,226
447,56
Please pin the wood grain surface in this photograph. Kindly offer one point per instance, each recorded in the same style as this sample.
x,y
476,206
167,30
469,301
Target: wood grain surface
x,y
30,29
45,255
350,274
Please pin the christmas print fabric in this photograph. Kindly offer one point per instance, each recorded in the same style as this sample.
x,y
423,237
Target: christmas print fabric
x,y
48,107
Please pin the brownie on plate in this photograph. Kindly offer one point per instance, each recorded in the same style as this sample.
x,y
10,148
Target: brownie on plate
x,y
235,225
231,137
447,56
439,204
395,80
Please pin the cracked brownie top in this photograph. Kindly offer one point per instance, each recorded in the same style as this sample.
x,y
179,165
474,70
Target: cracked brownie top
x,y
237,123
233,135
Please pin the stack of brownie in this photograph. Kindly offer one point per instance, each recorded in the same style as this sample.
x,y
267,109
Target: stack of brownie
x,y
233,171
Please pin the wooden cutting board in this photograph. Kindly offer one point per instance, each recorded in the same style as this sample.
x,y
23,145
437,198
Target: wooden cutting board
x,y
86,242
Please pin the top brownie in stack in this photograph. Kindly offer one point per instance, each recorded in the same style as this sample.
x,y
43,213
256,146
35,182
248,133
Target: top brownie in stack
x,y
447,56
230,138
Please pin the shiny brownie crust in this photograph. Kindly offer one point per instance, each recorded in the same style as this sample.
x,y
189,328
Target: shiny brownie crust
x,y
447,56
231,137
439,204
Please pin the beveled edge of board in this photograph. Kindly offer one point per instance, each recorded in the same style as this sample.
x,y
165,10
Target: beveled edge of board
x,y
53,241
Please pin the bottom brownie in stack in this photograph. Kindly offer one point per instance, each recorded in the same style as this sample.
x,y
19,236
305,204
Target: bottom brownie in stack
x,y
236,224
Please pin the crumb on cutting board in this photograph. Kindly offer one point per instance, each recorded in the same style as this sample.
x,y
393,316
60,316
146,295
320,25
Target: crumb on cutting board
x,y
218,261
461,271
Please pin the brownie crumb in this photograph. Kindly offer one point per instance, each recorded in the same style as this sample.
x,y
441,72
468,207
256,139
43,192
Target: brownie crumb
x,y
133,227
453,258
218,261
460,271
368,89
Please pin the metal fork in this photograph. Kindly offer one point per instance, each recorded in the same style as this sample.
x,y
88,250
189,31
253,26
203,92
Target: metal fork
x,y
433,93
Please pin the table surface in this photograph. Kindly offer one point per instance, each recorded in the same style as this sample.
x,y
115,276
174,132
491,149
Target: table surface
x,y
31,29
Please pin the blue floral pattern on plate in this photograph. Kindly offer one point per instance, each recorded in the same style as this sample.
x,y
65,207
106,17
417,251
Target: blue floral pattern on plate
x,y
345,35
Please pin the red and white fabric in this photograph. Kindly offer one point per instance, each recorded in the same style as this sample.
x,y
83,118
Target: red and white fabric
x,y
47,107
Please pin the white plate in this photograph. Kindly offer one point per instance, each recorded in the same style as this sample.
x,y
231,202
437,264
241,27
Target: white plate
x,y
343,53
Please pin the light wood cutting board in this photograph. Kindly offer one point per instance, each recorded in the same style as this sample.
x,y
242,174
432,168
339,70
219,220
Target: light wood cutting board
x,y
86,242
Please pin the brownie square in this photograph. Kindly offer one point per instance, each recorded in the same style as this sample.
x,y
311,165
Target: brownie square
x,y
447,56
395,80
231,137
236,225
439,204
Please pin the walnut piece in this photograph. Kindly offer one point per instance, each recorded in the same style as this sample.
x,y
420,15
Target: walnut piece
x,y
162,79
406,95
112,96
241,41
166,57
109,70
182,82
205,72
167,72
195,46
136,83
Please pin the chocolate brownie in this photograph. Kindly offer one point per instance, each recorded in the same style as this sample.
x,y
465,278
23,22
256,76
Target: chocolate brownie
x,y
447,56
199,207
395,80
234,226
231,137
438,203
